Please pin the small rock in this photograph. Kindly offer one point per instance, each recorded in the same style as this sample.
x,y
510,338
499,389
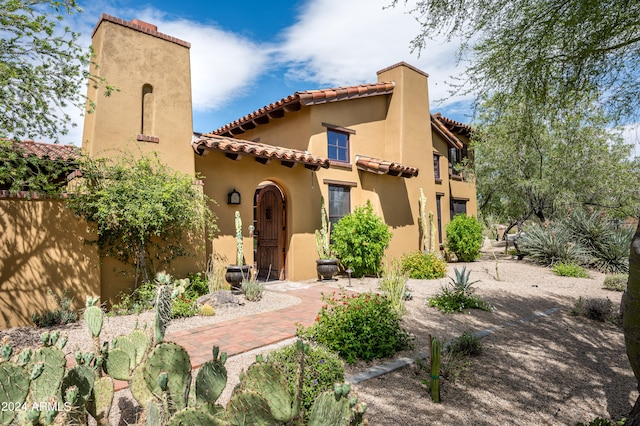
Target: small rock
x,y
220,298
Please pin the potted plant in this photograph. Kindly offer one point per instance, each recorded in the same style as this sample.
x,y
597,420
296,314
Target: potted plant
x,y
327,264
236,273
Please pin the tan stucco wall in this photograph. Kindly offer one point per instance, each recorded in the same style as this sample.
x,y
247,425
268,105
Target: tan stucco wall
x,y
43,246
128,60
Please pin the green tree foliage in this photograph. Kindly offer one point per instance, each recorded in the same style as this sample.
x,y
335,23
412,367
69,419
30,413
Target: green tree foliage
x,y
360,239
42,68
143,211
22,171
530,164
464,237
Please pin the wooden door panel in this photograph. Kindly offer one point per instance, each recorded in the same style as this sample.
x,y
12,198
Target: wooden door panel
x,y
270,229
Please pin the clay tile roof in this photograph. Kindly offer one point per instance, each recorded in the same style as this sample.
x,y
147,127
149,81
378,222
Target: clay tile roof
x,y
49,150
449,129
211,142
381,167
293,103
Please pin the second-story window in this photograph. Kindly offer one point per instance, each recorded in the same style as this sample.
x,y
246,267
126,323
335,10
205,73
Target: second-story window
x,y
456,157
436,166
338,145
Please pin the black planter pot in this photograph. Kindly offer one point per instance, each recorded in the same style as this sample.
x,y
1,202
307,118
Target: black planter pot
x,y
327,268
235,274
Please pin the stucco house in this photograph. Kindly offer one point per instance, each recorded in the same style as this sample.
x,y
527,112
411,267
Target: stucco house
x,y
377,142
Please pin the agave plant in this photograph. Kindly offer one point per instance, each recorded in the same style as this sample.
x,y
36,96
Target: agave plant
x,y
461,284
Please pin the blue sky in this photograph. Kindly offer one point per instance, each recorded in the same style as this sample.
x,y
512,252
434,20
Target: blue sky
x,y
248,54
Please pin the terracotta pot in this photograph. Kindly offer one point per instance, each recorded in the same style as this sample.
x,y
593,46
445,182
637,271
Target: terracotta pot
x,y
235,274
327,268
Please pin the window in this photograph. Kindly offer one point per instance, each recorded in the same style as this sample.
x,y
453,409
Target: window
x,y
456,156
439,214
436,167
339,203
338,146
458,207
148,113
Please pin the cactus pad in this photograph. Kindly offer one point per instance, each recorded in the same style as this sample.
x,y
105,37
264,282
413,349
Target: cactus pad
x,y
268,381
210,381
48,382
14,388
171,358
141,343
193,416
81,377
99,403
139,388
329,409
93,317
125,343
117,364
248,408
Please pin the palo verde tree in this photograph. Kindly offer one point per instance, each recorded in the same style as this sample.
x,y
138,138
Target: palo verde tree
x,y
543,53
42,68
143,211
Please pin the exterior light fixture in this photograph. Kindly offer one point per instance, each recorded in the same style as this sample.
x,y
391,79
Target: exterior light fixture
x,y
233,197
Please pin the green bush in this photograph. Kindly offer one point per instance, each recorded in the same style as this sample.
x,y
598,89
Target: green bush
x,y
464,237
364,326
466,344
596,309
570,270
63,314
360,239
183,307
458,295
617,282
198,286
252,290
322,368
424,266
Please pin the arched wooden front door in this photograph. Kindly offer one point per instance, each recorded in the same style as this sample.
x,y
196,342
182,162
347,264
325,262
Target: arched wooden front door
x,y
270,227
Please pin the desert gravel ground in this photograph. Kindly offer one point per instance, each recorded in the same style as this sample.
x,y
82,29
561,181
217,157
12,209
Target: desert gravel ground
x,y
554,369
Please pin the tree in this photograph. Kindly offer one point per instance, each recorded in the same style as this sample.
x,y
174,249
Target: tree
x,y
545,53
142,210
42,68
527,164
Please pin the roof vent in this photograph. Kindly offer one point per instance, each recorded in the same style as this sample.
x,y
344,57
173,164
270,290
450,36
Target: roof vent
x,y
144,25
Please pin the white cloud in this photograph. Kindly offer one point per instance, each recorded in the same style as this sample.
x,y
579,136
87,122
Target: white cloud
x,y
337,42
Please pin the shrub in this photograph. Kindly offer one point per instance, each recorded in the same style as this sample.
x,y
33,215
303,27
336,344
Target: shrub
x,y
424,266
599,421
617,282
393,284
464,237
570,270
458,295
466,344
322,369
363,326
198,286
183,307
252,290
360,239
611,255
552,245
63,314
597,309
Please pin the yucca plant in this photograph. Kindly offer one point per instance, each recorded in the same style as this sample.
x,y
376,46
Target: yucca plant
x,y
611,255
461,282
552,245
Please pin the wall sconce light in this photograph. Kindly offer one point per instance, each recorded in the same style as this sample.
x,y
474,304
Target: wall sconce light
x,y
233,197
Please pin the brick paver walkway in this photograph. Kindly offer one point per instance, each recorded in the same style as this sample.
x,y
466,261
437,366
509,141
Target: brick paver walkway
x,y
253,331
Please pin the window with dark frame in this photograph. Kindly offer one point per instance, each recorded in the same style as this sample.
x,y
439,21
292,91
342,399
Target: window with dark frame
x,y
458,207
439,216
338,145
456,156
436,167
339,203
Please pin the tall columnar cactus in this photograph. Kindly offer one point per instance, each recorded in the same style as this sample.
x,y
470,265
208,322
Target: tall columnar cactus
x,y
432,237
423,222
435,369
163,311
322,234
239,250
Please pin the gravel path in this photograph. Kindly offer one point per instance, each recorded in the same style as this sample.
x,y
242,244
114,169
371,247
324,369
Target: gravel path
x,y
550,370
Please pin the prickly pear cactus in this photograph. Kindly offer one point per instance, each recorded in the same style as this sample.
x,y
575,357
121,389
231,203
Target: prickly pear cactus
x,y
82,378
173,359
269,382
14,388
248,408
211,380
99,403
141,343
46,385
117,364
93,317
193,416
139,388
125,343
330,408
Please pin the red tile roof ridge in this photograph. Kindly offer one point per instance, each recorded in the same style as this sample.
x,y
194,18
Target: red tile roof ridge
x,y
311,97
52,151
141,26
380,166
465,128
